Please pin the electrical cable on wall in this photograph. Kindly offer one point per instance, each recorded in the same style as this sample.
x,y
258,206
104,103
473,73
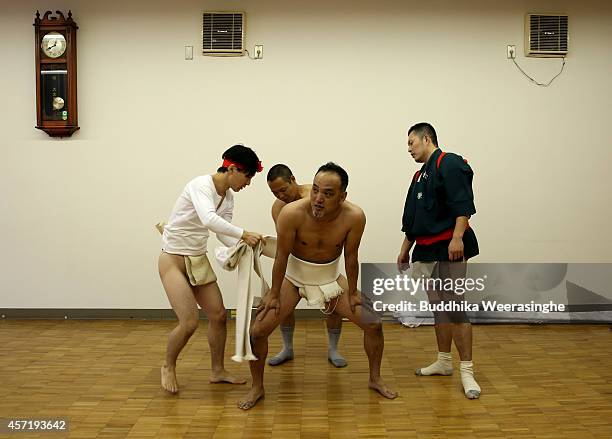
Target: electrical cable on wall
x,y
533,80
248,54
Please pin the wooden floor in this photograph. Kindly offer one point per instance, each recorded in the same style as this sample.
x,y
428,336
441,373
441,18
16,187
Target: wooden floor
x,y
538,382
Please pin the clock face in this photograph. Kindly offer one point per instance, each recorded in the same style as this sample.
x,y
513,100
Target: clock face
x,y
53,44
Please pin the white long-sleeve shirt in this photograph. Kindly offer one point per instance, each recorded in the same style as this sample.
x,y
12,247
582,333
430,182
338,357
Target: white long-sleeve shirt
x,y
194,214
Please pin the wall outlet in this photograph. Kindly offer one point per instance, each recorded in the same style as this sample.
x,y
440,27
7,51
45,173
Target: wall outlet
x,y
511,51
258,52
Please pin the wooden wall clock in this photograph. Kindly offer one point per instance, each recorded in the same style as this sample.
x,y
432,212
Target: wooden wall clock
x,y
56,74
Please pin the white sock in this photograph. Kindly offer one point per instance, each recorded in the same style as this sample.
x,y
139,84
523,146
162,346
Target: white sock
x,y
470,386
442,366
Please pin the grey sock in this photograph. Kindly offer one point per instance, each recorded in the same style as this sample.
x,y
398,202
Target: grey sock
x,y
333,335
286,353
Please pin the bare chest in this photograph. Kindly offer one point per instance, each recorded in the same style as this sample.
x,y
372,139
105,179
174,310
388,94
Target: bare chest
x,y
320,242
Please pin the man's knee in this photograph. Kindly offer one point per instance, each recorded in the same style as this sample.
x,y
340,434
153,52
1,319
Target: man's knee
x,y
372,326
260,331
369,319
217,316
189,326
451,317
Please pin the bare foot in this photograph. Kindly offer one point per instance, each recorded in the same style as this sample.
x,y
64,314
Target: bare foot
x,y
225,377
251,398
168,379
381,388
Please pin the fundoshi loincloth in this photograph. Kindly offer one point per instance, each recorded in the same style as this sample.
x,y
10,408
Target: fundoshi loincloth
x,y
198,268
317,283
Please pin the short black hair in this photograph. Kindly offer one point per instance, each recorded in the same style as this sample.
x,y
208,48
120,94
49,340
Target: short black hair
x,y
338,170
424,129
280,170
243,155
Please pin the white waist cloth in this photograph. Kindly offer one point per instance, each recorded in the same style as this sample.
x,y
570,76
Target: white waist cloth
x,y
317,283
246,260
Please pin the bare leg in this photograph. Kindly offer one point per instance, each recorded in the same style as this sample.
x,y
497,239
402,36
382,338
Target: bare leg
x,y
209,298
444,364
443,328
182,300
260,331
334,329
462,336
373,339
333,321
457,326
453,326
444,334
289,320
287,329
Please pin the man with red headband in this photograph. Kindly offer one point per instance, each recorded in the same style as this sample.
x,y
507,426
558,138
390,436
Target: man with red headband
x,y
206,204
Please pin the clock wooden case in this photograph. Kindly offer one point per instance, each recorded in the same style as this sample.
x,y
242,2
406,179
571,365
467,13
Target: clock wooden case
x,y
56,74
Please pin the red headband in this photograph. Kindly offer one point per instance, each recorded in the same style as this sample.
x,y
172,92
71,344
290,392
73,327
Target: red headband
x,y
227,163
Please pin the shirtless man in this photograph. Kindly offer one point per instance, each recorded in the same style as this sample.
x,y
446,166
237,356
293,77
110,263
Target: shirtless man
x,y
286,190
312,233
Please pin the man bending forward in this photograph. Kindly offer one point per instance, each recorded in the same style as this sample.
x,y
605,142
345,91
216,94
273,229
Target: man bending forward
x,y
312,232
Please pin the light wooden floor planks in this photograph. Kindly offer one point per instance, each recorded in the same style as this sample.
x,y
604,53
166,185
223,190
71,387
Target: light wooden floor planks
x,y
538,382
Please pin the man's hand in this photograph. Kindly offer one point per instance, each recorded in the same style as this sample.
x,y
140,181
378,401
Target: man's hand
x,y
251,238
354,300
270,301
403,261
455,249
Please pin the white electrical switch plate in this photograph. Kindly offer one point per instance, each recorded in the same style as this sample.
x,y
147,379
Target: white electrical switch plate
x,y
188,52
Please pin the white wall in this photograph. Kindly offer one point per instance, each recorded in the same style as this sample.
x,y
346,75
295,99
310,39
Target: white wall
x,y
340,81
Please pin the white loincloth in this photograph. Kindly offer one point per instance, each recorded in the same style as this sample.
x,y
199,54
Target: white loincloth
x,y
246,260
317,283
198,268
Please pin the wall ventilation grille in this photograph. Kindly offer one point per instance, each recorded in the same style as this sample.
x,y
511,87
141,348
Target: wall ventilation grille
x,y
546,35
223,33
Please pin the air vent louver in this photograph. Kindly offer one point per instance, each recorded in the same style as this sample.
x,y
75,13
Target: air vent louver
x,y
223,33
546,35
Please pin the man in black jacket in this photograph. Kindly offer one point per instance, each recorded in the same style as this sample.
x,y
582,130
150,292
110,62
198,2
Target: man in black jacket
x,y
438,205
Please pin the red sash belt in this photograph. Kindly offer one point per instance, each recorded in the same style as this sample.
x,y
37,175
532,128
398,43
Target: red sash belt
x,y
432,239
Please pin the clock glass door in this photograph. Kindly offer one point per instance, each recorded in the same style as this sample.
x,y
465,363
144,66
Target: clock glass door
x,y
54,89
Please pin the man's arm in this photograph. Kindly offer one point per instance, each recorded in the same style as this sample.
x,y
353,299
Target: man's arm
x,y
455,248
228,241
403,259
277,206
201,197
286,229
457,180
351,255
